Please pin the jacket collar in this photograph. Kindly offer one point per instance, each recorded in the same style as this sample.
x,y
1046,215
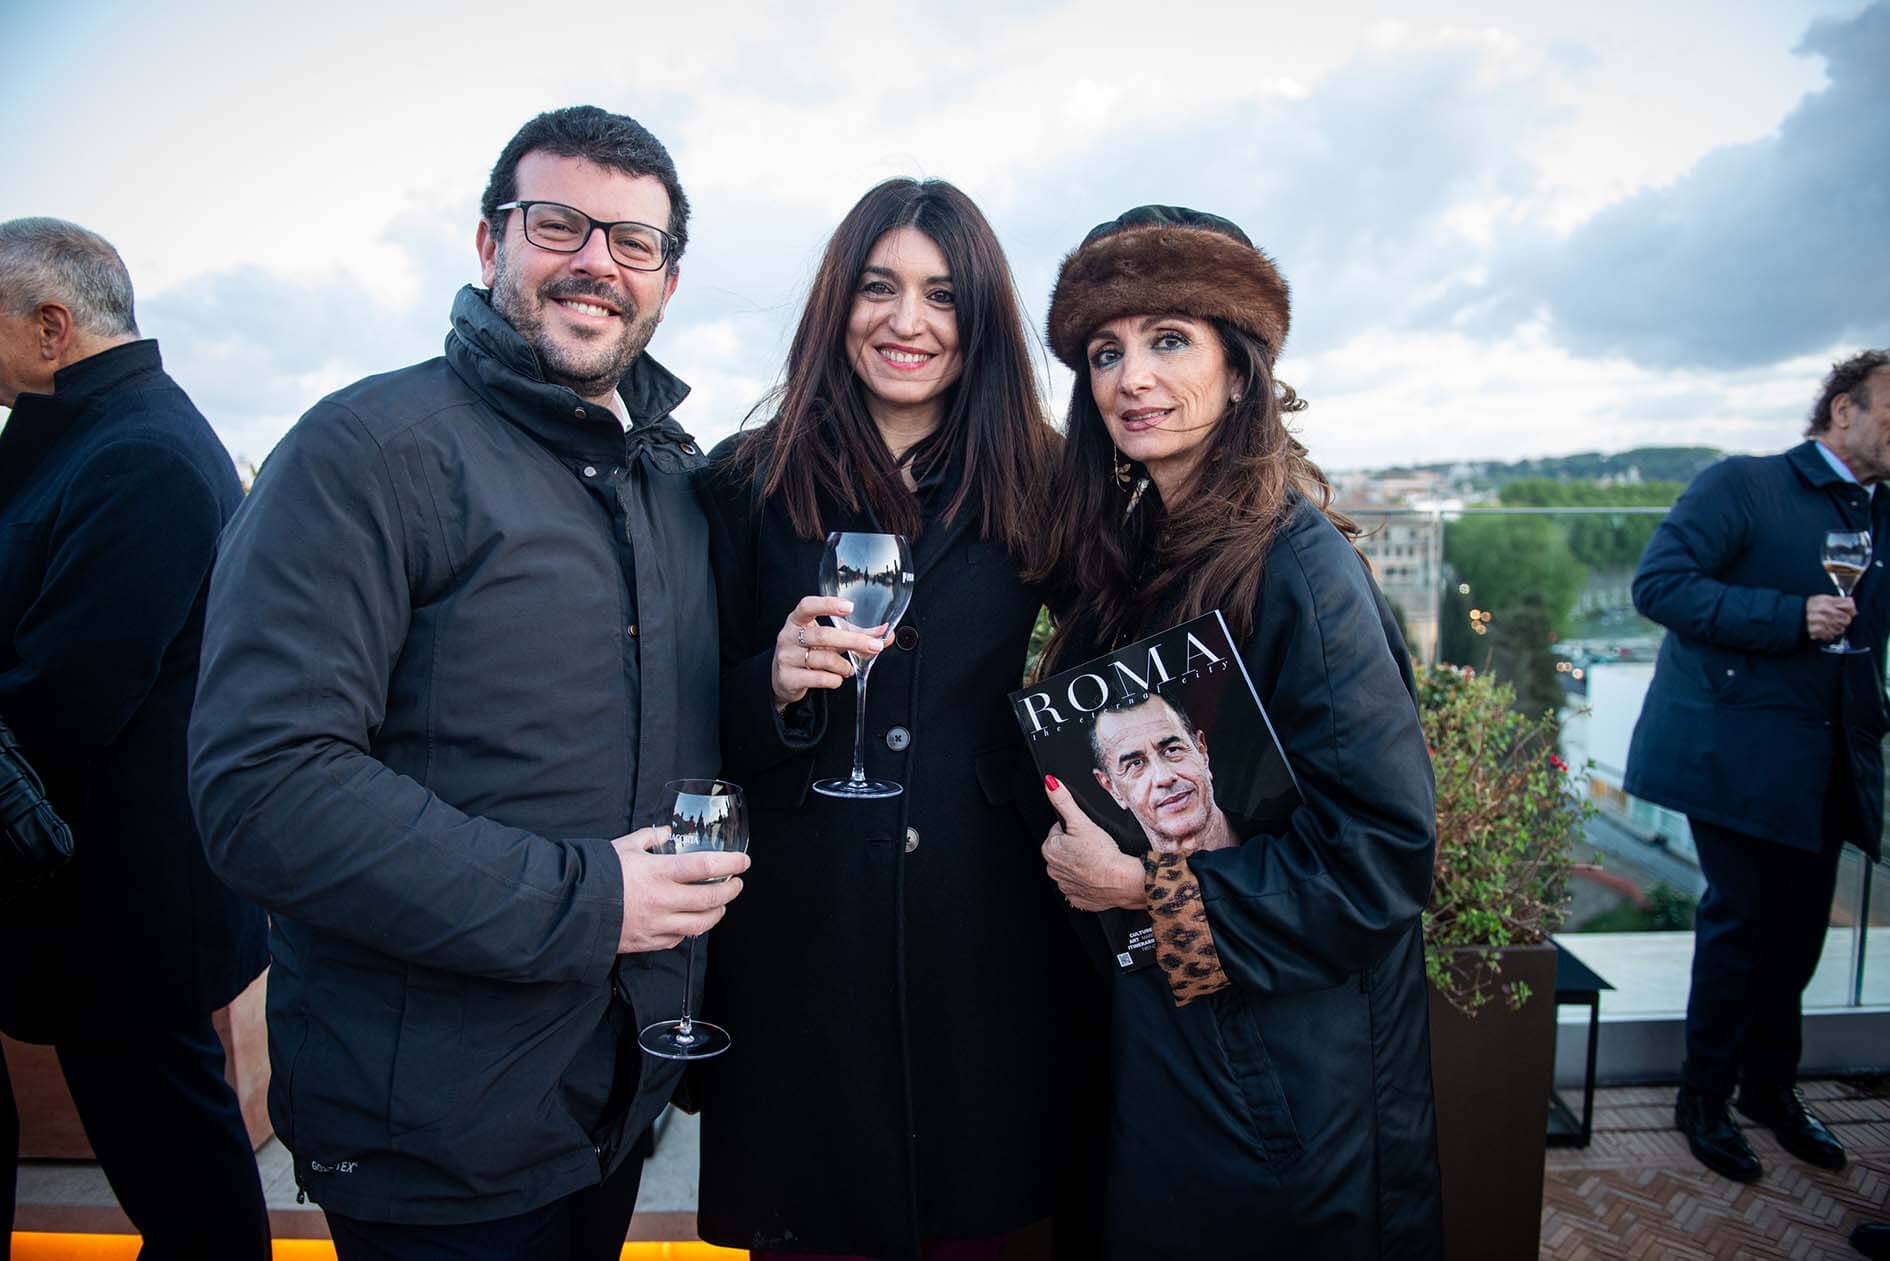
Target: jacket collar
x,y
1813,467
503,369
39,423
77,385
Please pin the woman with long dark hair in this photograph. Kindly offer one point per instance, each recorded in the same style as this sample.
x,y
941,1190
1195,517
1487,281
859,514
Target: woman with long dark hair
x,y
892,984
1270,1089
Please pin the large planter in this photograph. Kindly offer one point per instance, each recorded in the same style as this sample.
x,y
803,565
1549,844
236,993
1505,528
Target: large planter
x,y
49,1124
1492,1075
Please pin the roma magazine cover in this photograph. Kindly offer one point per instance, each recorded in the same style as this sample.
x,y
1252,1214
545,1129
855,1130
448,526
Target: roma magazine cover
x,y
1163,743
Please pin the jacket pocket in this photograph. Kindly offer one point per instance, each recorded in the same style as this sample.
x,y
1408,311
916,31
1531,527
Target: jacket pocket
x,y
1727,673
293,1040
1255,1077
431,1056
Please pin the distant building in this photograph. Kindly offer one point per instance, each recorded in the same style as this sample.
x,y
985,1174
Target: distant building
x,y
1404,541
1407,554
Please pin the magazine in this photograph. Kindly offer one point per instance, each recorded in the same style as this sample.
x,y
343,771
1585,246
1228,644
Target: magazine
x,y
1162,742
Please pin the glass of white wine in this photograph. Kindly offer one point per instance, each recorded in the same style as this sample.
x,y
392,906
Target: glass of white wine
x,y
704,815
875,572
1846,559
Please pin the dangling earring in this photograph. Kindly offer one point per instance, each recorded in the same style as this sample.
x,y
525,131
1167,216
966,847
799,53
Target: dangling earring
x,y
1128,481
1125,472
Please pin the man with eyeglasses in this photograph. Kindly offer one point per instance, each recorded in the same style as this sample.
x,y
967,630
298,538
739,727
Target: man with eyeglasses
x,y
459,636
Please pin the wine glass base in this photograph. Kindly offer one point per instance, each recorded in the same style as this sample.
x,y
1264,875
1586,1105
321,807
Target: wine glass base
x,y
666,1040
1842,649
863,789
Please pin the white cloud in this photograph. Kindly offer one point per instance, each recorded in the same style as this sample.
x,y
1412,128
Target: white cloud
x,y
304,212
727,370
1425,397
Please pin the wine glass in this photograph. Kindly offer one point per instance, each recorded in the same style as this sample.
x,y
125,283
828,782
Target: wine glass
x,y
875,572
704,814
1846,557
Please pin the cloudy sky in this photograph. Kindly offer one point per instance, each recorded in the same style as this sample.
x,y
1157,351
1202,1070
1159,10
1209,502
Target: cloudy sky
x,y
1589,227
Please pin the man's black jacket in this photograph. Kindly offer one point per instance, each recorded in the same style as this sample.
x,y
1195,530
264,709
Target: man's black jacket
x,y
112,492
460,634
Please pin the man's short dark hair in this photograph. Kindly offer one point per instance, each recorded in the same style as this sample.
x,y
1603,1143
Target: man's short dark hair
x,y
596,136
1135,700
1849,378
51,260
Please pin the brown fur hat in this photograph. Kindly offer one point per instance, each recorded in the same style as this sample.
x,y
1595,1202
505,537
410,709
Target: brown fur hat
x,y
1162,260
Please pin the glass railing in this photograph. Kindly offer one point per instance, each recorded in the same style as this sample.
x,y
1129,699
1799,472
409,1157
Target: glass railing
x,y
1541,598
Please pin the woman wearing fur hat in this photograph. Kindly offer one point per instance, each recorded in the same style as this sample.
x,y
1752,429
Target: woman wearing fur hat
x,y
1271,1088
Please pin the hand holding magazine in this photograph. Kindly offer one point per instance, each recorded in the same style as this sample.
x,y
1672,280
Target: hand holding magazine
x,y
1165,746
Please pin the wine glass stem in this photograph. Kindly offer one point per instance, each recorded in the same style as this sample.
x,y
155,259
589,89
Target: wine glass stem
x,y
684,1025
859,725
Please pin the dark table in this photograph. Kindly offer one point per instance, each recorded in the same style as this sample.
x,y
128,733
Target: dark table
x,y
1576,985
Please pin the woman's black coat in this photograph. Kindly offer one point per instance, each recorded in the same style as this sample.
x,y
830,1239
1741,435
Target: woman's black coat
x,y
1290,1114
892,971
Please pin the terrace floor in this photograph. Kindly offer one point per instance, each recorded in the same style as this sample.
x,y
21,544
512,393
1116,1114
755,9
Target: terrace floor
x,y
1635,1192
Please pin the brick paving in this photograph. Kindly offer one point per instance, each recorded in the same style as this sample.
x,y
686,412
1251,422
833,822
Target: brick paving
x,y
1637,1192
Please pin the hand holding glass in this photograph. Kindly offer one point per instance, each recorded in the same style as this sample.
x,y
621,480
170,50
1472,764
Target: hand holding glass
x,y
1846,559
875,572
704,814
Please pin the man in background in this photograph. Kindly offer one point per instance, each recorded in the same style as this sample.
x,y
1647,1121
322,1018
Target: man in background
x,y
461,634
1769,745
113,491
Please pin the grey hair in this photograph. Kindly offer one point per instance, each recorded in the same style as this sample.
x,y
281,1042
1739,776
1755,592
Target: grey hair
x,y
50,260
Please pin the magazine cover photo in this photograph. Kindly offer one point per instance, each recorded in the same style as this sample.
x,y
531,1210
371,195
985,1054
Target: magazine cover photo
x,y
1164,744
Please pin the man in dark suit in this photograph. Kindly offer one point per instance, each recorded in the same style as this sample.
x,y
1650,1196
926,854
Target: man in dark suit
x,y
113,491
1769,745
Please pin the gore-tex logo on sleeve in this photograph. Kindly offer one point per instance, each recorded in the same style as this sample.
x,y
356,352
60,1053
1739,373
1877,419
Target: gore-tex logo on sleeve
x,y
340,1166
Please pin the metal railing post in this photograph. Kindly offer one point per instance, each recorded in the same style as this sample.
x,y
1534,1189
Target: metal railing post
x,y
1436,543
1861,936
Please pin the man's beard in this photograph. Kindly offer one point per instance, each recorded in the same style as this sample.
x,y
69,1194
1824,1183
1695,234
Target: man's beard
x,y
591,368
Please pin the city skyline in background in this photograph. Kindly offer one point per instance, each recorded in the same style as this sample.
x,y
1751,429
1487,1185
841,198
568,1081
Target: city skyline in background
x,y
1508,234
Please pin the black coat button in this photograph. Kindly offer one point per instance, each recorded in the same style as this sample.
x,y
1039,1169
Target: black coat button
x,y
897,739
907,638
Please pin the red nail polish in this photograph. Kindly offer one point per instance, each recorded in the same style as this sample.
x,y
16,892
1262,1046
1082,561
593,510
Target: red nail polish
x,y
1050,782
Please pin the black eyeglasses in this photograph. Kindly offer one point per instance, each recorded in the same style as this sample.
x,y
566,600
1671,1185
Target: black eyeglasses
x,y
566,230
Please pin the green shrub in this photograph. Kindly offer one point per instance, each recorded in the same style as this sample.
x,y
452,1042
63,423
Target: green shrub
x,y
1507,810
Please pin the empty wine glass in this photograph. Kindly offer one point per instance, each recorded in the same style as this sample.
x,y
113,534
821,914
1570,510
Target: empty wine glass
x,y
875,572
711,815
1846,558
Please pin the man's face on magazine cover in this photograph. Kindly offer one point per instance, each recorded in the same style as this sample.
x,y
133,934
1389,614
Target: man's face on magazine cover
x,y
1157,770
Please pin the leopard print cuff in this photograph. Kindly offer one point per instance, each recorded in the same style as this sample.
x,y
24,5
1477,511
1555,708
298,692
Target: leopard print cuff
x,y
1184,945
